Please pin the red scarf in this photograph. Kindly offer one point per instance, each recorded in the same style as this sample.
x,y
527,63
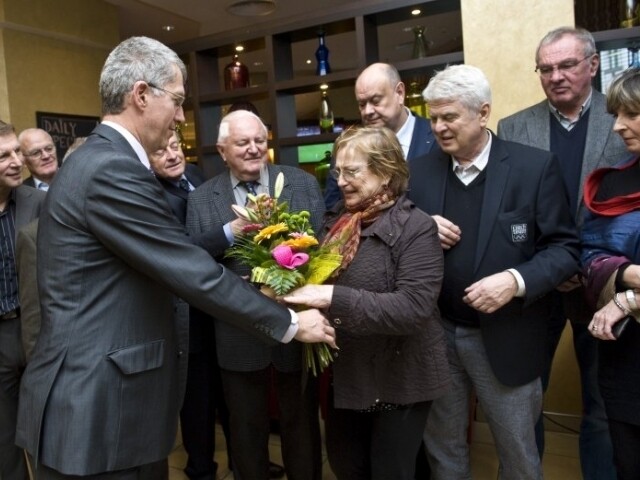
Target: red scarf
x,y
614,206
344,236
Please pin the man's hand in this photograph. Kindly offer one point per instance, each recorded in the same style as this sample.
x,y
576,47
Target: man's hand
x,y
237,225
490,293
571,284
313,327
448,232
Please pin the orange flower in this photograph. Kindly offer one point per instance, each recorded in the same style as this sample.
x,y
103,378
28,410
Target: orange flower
x,y
301,242
266,232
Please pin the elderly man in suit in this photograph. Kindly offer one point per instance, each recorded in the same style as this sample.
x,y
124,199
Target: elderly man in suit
x,y
41,157
380,95
504,222
244,362
574,124
101,394
18,206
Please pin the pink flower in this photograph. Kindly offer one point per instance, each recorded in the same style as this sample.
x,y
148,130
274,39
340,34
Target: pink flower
x,y
285,257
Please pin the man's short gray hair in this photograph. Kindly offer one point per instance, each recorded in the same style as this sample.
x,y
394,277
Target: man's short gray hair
x,y
464,83
135,59
223,131
580,34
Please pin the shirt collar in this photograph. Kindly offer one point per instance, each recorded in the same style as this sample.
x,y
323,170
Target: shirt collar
x,y
263,180
131,140
480,162
405,133
37,182
565,121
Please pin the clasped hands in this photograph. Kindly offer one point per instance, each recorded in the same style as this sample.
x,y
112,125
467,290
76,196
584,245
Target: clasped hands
x,y
313,326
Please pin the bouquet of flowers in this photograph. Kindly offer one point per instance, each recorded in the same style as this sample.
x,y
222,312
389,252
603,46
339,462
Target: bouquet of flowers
x,y
283,253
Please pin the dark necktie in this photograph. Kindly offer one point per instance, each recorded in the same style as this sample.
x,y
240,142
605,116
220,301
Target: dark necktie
x,y
183,183
250,187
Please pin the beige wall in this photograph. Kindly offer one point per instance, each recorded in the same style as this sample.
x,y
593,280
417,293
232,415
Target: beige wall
x,y
51,54
500,37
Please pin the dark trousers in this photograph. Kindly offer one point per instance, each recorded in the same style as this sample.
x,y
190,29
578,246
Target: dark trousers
x,y
12,361
151,471
247,396
626,449
377,445
202,400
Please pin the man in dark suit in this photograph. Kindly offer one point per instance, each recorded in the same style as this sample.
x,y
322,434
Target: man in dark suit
x,y
104,385
509,239
380,95
573,123
245,363
40,156
18,206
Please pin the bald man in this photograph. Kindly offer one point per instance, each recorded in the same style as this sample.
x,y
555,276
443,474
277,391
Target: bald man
x,y
380,95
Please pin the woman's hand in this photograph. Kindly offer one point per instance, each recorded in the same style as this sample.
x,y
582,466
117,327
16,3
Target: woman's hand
x,y
315,296
604,319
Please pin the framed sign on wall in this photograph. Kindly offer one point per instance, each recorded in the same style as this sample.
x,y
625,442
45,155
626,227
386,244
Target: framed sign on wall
x,y
64,128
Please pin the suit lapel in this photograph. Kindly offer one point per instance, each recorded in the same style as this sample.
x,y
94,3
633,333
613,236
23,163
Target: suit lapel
x,y
598,131
24,207
223,197
538,128
496,179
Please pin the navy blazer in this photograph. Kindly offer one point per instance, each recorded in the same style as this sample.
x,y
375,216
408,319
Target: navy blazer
x,y
422,141
524,189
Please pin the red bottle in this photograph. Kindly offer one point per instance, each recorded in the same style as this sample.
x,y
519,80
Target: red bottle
x,y
236,75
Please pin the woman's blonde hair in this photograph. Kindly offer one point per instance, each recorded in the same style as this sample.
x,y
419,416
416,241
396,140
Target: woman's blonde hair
x,y
383,152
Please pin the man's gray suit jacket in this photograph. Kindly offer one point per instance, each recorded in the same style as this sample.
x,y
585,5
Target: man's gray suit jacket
x,y
208,209
603,146
105,383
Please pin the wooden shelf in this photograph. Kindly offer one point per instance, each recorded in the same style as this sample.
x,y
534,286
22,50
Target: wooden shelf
x,y
618,38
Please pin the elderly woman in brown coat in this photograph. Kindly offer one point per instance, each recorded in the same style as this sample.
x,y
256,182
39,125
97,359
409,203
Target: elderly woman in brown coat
x,y
383,304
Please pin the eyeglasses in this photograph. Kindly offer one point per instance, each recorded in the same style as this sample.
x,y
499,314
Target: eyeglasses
x,y
347,173
568,66
37,154
178,99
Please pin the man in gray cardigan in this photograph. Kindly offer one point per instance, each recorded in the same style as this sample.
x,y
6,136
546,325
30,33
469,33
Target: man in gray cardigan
x,y
573,123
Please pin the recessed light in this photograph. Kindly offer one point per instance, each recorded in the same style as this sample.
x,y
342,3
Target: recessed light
x,y
239,48
324,86
308,62
415,12
168,28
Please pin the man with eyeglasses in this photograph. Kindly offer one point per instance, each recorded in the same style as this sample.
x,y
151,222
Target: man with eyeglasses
x,y
41,157
573,123
19,205
102,390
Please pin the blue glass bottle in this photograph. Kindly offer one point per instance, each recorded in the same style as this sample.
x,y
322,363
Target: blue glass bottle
x,y
322,57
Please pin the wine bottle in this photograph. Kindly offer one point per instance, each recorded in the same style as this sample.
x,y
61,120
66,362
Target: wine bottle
x,y
325,116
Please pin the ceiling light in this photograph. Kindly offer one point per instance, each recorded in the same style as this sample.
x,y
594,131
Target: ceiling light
x,y
416,12
324,86
239,48
251,8
168,28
